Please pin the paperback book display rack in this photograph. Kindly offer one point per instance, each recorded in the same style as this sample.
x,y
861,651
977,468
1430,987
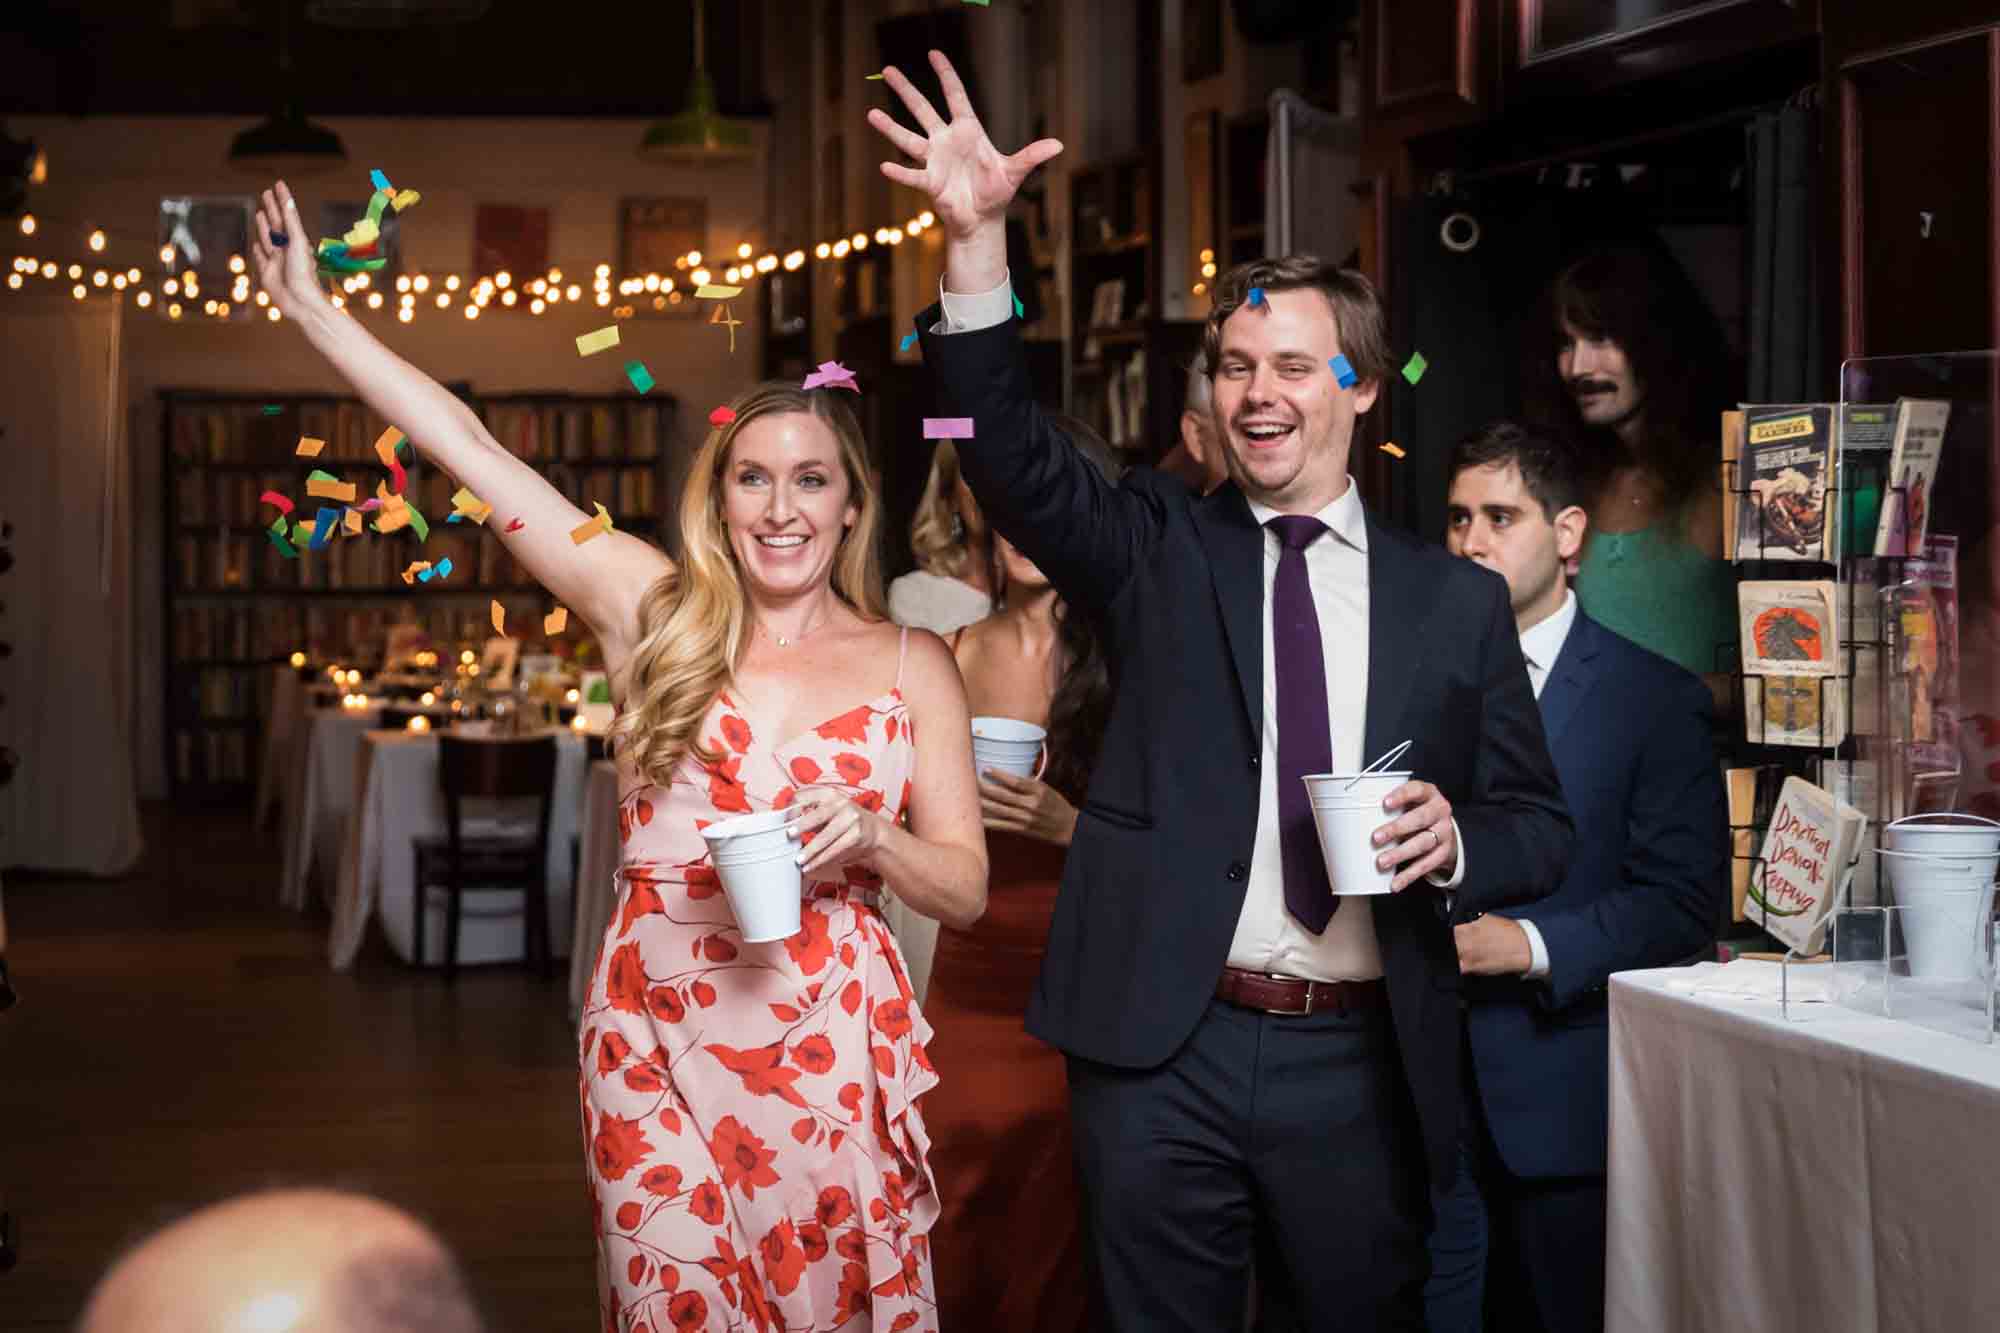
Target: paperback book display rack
x,y
1868,684
235,603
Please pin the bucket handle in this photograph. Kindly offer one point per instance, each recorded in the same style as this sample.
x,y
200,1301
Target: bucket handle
x,y
1945,814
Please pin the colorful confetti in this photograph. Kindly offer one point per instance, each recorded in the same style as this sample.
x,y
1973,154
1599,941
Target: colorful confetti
x,y
716,291
499,617
947,428
909,340
309,447
1343,371
385,449
322,487
273,498
1020,311
1256,296
444,568
324,524
722,416
831,375
591,529
1414,368
1393,451
642,378
589,344
556,621
405,199
417,567
516,525
379,181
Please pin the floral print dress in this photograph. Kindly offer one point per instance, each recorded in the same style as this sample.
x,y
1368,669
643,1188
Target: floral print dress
x,y
756,1157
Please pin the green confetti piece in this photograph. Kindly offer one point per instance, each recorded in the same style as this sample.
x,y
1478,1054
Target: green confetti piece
x,y
876,77
1020,311
642,379
285,548
318,474
377,204
272,409
405,450
1414,369
301,531
417,522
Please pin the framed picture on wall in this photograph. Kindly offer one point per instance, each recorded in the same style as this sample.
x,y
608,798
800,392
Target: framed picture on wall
x,y
652,234
1201,39
205,230
509,239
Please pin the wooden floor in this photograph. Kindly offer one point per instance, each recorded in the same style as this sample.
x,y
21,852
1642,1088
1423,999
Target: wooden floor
x,y
180,1038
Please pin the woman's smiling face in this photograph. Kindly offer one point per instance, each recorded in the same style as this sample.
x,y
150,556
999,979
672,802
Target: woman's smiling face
x,y
786,502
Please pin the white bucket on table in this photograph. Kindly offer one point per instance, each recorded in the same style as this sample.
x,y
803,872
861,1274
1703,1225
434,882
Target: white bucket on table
x,y
1347,809
1946,901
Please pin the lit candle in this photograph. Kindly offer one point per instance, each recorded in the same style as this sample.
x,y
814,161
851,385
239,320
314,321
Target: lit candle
x,y
419,723
578,724
571,697
298,659
429,698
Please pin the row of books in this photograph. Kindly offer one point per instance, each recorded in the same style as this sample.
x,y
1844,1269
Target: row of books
x,y
1824,659
220,692
228,432
1779,461
211,756
235,498
240,562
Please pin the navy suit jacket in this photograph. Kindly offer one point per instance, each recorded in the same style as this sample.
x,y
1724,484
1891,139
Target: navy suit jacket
x,y
1155,877
1633,744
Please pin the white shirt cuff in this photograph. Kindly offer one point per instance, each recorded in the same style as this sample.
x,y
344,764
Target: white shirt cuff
x,y
1457,871
1538,952
981,310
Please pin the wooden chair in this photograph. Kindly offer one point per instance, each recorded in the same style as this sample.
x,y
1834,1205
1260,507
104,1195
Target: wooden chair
x,y
490,768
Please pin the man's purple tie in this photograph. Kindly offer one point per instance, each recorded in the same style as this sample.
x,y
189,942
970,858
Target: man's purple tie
x,y
1305,738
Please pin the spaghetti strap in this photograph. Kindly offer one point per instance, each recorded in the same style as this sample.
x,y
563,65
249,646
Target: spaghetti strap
x,y
902,651
956,635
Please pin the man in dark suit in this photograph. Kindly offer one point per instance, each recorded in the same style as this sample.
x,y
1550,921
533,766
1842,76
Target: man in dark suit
x,y
1633,742
1244,1059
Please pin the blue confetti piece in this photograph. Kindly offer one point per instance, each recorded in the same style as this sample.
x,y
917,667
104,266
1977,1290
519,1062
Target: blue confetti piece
x,y
1020,311
454,518
444,568
380,182
1344,372
324,524
426,575
1256,296
908,340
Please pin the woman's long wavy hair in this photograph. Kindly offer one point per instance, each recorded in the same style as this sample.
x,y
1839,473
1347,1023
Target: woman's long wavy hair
x,y
938,538
695,621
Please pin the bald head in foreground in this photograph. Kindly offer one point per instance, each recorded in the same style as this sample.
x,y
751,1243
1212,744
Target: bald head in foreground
x,y
286,1261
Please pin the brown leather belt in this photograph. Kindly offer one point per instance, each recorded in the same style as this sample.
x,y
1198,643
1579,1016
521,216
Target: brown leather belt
x,y
1296,996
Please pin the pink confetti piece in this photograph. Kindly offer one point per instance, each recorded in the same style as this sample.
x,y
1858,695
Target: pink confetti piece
x,y
831,375
947,428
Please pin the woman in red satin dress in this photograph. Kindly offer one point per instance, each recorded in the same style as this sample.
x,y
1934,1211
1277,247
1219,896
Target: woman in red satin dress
x,y
1008,1240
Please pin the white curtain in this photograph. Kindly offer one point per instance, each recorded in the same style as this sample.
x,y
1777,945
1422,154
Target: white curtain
x,y
1311,164
65,487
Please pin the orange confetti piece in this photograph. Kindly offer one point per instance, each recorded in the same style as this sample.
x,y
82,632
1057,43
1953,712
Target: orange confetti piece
x,y
309,447
499,618
556,621
416,567
351,522
342,491
1393,451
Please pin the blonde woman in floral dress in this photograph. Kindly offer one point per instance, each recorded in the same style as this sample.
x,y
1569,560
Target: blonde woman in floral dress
x,y
756,1156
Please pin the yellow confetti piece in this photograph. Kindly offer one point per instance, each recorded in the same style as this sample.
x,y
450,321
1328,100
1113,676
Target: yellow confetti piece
x,y
499,618
588,344
470,505
342,491
556,621
351,522
309,447
1393,451
405,199
363,233
716,291
416,567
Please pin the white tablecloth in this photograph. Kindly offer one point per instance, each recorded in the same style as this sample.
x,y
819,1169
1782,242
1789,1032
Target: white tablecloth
x,y
319,791
287,715
597,862
1841,1173
396,776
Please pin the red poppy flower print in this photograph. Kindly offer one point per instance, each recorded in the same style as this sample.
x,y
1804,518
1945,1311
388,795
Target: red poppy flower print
x,y
644,1078
853,1245
703,993
642,811
745,1161
812,948
854,1297
892,1018
812,1240
736,732
783,800
805,771
814,1054
641,899
889,727
850,1097
629,1216
661,1180
706,1203
850,727
612,1053
688,1311
625,985
703,882
784,1259
762,1070
835,1206
907,1319
725,788
853,769
664,1003
619,1146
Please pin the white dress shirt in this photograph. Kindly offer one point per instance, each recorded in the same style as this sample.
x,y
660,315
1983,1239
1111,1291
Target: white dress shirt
x,y
1267,938
1541,644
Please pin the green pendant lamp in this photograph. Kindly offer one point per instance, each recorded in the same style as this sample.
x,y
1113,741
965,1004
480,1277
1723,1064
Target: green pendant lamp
x,y
700,135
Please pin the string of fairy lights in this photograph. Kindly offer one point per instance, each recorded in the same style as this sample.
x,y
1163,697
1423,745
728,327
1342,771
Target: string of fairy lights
x,y
178,292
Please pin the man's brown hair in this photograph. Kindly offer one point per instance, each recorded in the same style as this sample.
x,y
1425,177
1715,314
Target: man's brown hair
x,y
1357,310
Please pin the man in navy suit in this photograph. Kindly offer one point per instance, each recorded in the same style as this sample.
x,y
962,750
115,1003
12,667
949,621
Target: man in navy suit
x,y
1632,739
1249,1056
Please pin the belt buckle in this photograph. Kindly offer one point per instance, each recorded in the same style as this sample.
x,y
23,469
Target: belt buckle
x,y
1294,1013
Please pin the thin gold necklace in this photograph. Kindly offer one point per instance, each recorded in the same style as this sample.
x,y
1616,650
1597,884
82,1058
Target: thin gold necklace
x,y
782,640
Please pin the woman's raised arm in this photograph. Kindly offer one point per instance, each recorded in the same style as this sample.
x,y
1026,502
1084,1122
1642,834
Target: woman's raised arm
x,y
602,580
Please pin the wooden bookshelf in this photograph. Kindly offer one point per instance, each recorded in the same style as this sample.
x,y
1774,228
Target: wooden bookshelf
x,y
234,605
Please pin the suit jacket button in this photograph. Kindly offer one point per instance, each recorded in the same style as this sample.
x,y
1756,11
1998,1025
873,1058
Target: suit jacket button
x,y
1238,872
1254,760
